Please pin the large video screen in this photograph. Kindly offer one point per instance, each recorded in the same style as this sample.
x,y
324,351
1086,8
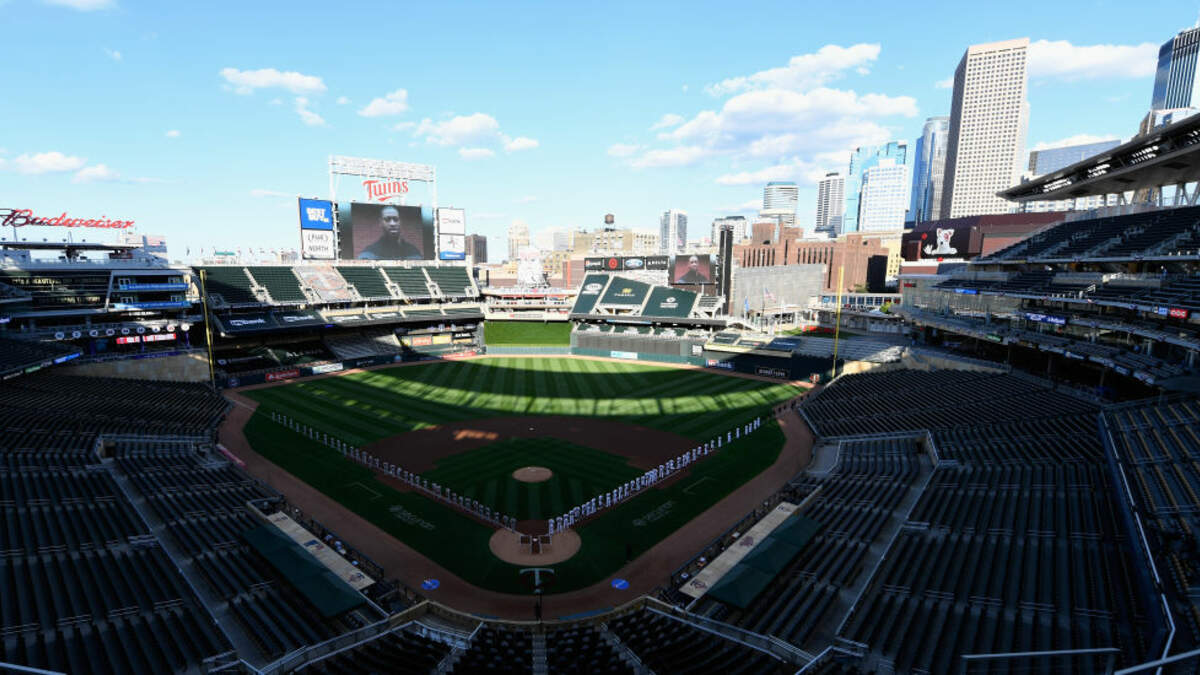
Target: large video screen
x,y
692,269
385,232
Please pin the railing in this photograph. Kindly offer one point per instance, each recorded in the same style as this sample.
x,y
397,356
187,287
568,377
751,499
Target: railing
x,y
773,646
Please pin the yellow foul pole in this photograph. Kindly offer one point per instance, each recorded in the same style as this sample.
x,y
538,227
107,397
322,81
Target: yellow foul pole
x,y
212,377
837,323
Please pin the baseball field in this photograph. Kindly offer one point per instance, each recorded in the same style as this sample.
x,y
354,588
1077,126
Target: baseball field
x,y
469,425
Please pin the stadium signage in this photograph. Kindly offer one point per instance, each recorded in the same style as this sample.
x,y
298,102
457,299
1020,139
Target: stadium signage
x,y
1177,313
383,190
283,375
771,372
723,365
327,368
23,217
1046,318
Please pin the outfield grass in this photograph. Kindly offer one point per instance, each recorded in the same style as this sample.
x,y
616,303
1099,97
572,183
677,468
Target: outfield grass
x,y
527,333
460,544
363,407
485,474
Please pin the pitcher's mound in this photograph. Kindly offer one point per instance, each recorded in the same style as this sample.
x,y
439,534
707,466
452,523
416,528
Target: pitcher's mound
x,y
532,474
506,545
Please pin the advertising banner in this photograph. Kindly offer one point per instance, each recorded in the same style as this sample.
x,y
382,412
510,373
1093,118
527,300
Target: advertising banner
x,y
452,221
654,263
327,368
623,355
283,375
316,214
385,232
452,247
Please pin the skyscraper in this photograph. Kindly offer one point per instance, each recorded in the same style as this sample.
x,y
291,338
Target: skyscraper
x,y
518,238
780,199
863,159
1052,159
831,203
672,230
736,225
884,197
928,170
988,120
1177,79
477,247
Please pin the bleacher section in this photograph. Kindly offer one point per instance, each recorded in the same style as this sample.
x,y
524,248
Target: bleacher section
x,y
231,283
21,355
863,494
907,400
411,280
453,282
1157,448
1162,233
666,645
368,343
368,281
61,289
281,283
1015,544
398,652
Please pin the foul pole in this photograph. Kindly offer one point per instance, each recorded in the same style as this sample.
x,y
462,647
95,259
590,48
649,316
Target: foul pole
x,y
837,322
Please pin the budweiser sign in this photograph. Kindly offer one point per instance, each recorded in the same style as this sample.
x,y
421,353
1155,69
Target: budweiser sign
x,y
23,217
383,190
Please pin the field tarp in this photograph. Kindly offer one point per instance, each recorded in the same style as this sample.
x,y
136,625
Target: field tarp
x,y
324,589
742,584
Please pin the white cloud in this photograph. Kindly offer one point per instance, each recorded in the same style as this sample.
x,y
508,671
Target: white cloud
x,y
112,54
1062,60
461,130
623,149
393,103
95,174
748,205
520,143
268,193
804,71
1077,139
947,83
246,81
83,5
667,121
475,153
173,133
685,155
797,170
342,100
307,116
527,199
47,162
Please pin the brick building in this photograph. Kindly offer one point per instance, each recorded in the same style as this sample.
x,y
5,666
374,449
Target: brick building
x,y
864,258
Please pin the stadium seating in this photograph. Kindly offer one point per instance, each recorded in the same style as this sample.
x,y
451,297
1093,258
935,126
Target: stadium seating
x,y
17,355
281,283
411,280
496,650
667,645
582,650
61,289
367,343
396,652
232,284
1163,232
1013,545
368,281
452,281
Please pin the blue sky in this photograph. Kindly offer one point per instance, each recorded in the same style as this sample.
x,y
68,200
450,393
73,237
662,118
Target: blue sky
x,y
202,121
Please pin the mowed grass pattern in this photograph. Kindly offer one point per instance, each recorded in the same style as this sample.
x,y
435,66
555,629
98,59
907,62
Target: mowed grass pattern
x,y
485,474
363,407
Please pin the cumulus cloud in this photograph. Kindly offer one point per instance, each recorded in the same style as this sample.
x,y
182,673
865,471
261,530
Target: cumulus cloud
x,y
623,149
460,130
268,193
173,133
247,81
393,103
685,155
342,100
47,162
667,121
112,54
475,153
83,5
947,83
95,174
1077,139
307,116
797,170
1059,59
519,143
804,71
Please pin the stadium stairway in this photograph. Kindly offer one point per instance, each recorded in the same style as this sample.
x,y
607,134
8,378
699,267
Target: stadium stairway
x,y
539,654
216,607
628,656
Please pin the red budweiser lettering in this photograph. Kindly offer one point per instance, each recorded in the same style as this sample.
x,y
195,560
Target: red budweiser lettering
x,y
23,217
383,190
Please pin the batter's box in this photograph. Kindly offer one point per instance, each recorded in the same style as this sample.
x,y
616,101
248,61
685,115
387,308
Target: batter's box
x,y
360,487
688,490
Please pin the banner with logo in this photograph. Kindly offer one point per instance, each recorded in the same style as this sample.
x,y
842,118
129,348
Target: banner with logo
x,y
316,229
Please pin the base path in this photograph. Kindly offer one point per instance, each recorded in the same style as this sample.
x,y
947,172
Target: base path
x,y
650,570
506,545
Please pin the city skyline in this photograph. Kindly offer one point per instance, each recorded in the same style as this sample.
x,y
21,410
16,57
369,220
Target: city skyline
x,y
201,129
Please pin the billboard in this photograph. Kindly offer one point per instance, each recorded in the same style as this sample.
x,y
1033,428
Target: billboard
x,y
316,229
936,244
385,232
692,269
653,263
452,234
